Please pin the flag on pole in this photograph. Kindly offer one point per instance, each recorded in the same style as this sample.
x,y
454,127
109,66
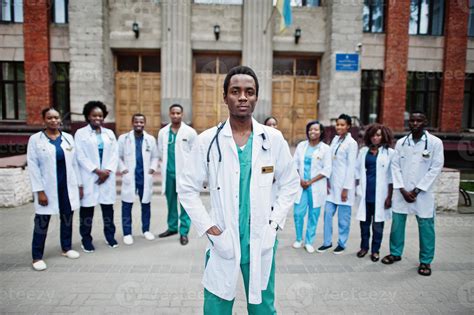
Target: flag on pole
x,y
284,8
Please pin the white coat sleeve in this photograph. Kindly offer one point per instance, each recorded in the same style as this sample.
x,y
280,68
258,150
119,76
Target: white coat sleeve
x,y
82,156
160,145
34,167
397,177
112,163
288,180
121,162
296,158
435,168
327,169
349,179
391,154
154,156
359,165
75,165
190,186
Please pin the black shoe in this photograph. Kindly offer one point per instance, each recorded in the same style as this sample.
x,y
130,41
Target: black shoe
x,y
88,247
183,239
323,248
339,249
167,233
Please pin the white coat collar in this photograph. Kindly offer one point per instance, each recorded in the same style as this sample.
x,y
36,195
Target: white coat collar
x,y
257,128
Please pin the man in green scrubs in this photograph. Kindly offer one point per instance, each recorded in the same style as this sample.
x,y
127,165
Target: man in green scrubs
x,y
239,160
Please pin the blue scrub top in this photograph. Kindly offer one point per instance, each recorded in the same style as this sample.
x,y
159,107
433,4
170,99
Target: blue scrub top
x,y
371,175
308,157
61,175
139,176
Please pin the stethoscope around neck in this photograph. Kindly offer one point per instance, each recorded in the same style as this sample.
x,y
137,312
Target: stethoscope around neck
x,y
425,153
220,126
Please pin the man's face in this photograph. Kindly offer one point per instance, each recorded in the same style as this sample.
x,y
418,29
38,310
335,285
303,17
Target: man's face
x,y
139,123
241,96
417,122
176,115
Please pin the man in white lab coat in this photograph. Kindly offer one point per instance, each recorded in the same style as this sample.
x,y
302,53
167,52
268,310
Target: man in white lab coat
x,y
417,162
239,160
138,161
175,141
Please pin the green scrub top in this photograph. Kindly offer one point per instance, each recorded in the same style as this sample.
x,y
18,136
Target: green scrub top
x,y
171,164
245,160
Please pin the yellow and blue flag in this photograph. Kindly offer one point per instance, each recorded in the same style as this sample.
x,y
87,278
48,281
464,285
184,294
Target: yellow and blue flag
x,y
284,8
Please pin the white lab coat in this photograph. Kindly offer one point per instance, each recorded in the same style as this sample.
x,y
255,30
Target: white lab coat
x,y
183,144
127,161
382,180
271,159
88,158
343,170
410,169
41,158
320,164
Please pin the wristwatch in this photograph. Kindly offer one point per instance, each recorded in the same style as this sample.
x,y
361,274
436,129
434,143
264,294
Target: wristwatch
x,y
417,190
274,225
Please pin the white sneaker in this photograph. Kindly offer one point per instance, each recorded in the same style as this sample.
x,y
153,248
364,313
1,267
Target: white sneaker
x,y
40,265
71,254
149,236
128,239
297,244
309,248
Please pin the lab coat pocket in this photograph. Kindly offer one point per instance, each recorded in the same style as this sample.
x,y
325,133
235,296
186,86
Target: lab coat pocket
x,y
268,240
222,244
127,178
265,179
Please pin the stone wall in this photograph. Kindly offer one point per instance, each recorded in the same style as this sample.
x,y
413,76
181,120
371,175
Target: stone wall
x,y
15,189
372,51
11,42
425,53
446,190
59,43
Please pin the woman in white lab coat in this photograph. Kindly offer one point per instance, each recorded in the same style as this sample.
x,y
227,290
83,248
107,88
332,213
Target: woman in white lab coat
x,y
313,161
55,180
97,153
341,185
375,190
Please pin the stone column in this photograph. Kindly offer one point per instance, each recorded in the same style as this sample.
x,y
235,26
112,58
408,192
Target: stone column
x,y
455,46
257,51
37,54
91,68
176,57
340,91
392,111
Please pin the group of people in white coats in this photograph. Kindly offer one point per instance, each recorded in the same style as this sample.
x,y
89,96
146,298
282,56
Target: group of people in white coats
x,y
68,173
388,182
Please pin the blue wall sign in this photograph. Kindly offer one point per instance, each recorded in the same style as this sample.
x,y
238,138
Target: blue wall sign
x,y
347,62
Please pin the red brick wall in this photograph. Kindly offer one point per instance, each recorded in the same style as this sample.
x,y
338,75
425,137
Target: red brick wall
x,y
37,68
396,59
455,46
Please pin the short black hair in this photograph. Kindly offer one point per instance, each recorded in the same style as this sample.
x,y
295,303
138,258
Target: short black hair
x,y
90,106
268,118
46,110
418,112
347,118
177,105
138,115
321,129
240,70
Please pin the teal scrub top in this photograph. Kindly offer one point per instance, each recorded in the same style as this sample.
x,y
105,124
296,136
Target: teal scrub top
x,y
308,157
245,160
100,146
171,164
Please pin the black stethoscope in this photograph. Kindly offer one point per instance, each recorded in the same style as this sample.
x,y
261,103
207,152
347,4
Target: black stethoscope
x,y
265,145
426,153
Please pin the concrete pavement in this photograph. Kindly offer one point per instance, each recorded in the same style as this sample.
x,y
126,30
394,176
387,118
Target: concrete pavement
x,y
163,277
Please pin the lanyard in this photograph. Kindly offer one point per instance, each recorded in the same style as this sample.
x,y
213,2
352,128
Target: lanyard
x,y
340,142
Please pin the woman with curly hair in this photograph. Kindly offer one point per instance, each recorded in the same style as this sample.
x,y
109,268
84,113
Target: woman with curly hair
x,y
375,187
